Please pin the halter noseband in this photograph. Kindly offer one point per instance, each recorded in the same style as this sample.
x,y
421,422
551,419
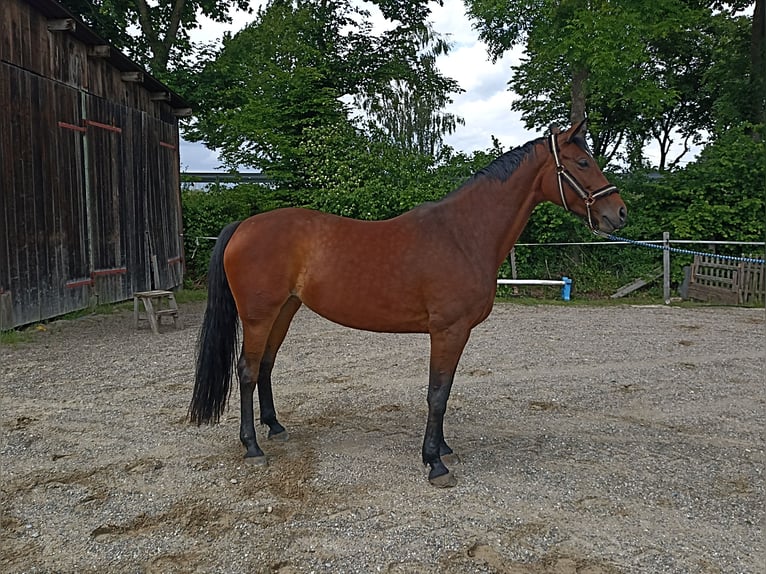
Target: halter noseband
x,y
562,173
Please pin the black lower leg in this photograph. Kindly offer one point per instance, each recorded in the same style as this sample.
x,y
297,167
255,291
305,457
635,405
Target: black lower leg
x,y
266,399
433,443
246,423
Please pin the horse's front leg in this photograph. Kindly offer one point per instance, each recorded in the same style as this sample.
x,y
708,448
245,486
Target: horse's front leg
x,y
434,445
446,348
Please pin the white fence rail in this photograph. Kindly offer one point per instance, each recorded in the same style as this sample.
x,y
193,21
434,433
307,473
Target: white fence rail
x,y
565,284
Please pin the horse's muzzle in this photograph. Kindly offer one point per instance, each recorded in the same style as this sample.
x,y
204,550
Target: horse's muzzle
x,y
612,218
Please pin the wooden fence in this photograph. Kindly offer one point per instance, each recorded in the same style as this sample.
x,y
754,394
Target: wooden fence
x,y
729,282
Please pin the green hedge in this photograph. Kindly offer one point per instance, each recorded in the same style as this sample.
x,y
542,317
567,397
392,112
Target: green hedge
x,y
205,212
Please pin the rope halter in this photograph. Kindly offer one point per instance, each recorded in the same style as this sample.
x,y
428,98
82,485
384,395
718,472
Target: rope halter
x,y
562,174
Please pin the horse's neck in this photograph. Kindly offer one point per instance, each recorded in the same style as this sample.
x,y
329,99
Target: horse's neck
x,y
491,214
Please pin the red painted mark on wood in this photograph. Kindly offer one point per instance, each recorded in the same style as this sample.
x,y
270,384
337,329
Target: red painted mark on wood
x,y
105,272
167,145
67,126
103,126
74,283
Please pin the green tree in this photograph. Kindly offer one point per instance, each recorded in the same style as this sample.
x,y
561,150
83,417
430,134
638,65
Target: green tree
x,y
297,68
736,80
407,110
720,196
640,69
757,106
272,80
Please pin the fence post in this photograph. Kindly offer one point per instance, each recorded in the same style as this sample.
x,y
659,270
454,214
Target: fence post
x,y
513,263
666,266
566,290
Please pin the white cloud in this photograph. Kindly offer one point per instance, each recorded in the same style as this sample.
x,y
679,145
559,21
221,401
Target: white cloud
x,y
196,157
450,19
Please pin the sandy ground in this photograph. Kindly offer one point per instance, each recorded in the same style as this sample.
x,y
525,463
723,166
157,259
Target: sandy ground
x,y
593,440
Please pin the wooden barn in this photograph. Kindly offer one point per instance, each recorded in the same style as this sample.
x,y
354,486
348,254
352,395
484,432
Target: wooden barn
x,y
90,208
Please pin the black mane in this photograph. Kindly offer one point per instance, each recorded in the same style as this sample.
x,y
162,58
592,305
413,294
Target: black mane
x,y
503,167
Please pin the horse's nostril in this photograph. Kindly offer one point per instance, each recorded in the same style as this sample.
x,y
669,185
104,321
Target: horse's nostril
x,y
623,215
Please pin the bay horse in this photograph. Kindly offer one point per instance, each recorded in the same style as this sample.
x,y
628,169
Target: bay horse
x,y
430,270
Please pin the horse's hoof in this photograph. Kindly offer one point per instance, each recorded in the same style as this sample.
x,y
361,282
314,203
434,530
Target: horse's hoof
x,y
447,480
279,436
256,460
450,459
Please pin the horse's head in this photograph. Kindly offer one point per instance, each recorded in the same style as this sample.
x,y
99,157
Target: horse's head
x,y
577,183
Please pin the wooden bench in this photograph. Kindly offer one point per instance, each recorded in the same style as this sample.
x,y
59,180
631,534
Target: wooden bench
x,y
157,304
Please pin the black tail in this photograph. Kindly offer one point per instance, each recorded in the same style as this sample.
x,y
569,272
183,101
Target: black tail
x,y
217,343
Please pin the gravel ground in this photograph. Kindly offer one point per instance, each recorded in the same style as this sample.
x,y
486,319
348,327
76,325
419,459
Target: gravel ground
x,y
615,439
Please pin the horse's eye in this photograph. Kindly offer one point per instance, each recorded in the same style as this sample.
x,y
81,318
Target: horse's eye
x,y
583,162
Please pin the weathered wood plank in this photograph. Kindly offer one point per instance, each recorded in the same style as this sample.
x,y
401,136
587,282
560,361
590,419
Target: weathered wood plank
x,y
78,199
637,284
62,25
712,294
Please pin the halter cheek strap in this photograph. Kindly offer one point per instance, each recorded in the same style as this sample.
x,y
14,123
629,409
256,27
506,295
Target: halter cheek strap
x,y
563,174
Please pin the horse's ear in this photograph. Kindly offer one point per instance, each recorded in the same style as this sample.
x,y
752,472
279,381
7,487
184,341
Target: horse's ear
x,y
578,130
555,129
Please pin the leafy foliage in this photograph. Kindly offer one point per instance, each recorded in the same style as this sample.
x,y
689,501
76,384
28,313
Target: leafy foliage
x,y
355,176
644,71
298,67
207,211
159,38
721,196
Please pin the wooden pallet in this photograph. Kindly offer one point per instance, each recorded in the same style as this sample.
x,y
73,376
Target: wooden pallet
x,y
753,283
727,282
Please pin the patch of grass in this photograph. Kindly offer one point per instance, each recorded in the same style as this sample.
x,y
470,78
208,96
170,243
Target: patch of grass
x,y
581,301
191,295
14,337
593,301
104,309
26,333
182,296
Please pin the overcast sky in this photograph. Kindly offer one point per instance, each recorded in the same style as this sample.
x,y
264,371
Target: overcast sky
x,y
484,105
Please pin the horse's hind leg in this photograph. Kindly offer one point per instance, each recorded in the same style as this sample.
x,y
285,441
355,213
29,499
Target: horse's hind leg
x,y
255,334
265,396
246,424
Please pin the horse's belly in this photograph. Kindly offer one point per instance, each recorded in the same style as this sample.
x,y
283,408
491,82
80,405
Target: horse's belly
x,y
368,307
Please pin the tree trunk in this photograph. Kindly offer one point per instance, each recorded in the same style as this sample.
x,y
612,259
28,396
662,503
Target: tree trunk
x,y
579,78
160,44
758,64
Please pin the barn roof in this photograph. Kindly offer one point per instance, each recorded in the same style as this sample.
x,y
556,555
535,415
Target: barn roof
x,y
53,10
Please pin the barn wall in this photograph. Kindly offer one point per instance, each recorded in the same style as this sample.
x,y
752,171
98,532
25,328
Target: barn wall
x,y
89,177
